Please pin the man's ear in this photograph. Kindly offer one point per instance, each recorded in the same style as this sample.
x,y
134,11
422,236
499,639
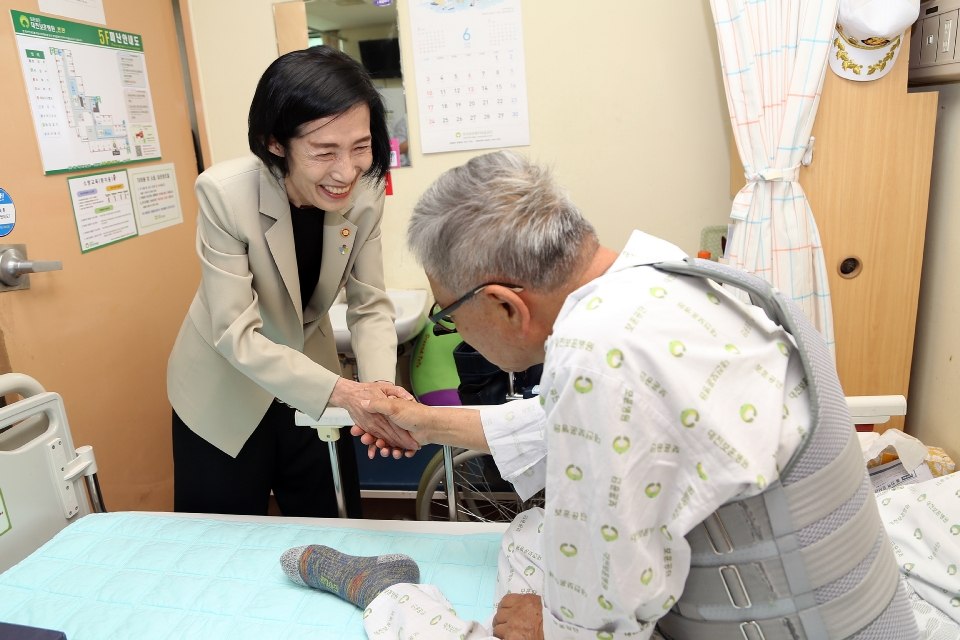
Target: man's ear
x,y
276,148
508,307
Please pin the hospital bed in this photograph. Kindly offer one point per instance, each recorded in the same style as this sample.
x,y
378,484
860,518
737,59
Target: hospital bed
x,y
66,564
163,575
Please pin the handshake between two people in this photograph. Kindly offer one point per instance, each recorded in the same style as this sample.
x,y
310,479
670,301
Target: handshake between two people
x,y
389,420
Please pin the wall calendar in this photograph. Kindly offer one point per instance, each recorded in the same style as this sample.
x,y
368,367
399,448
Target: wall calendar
x,y
470,74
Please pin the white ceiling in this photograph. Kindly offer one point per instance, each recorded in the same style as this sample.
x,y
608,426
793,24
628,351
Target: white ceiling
x,y
328,15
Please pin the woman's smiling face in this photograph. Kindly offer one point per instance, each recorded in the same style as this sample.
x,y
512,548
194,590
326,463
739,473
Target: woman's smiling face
x,y
327,159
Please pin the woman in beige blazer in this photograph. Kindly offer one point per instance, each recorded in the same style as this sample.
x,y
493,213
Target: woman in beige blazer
x,y
280,234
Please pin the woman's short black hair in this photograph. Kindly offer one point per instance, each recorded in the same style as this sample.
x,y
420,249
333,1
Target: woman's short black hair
x,y
305,85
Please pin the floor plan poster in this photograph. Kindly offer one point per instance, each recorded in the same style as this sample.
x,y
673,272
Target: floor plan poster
x,y
88,91
103,208
471,78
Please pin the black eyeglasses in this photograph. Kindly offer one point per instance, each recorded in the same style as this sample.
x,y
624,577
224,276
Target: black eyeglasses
x,y
441,316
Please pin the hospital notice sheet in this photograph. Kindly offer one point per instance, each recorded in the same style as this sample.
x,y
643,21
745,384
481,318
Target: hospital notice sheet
x,y
103,209
893,474
155,197
89,93
86,10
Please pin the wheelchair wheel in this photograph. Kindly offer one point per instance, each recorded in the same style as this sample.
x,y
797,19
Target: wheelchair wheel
x,y
481,494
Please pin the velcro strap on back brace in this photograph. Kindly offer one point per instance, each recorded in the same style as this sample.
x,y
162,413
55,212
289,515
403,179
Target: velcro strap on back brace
x,y
842,616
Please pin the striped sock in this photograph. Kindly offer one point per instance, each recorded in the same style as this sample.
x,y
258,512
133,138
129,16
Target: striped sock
x,y
356,579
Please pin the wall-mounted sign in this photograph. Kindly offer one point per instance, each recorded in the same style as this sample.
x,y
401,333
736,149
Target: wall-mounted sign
x,y
8,214
88,91
86,10
155,197
103,209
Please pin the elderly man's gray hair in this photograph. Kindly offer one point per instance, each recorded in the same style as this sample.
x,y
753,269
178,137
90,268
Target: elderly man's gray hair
x,y
499,218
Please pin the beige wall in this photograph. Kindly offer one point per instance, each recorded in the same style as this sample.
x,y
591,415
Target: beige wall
x,y
931,411
634,123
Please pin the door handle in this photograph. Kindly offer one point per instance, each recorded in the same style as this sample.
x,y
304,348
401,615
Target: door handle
x,y
13,266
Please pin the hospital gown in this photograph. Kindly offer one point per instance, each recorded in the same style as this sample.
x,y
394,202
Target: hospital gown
x,y
662,397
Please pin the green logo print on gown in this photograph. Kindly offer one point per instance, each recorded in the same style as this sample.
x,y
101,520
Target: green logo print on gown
x,y
529,571
583,385
604,635
955,529
646,577
677,348
669,603
689,417
568,550
955,602
922,497
732,349
566,612
615,358
917,534
605,603
666,533
748,413
621,444
713,298
609,533
594,303
652,490
783,349
658,292
574,472
701,472
436,619
952,570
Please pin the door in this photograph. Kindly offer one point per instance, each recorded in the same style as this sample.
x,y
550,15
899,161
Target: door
x,y
99,332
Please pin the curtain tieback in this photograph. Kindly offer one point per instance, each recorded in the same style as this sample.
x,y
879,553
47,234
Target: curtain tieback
x,y
790,174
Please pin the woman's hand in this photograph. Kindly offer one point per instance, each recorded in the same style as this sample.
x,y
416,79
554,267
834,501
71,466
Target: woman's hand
x,y
407,416
352,395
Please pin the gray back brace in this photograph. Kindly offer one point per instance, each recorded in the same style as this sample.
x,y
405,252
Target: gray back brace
x,y
809,557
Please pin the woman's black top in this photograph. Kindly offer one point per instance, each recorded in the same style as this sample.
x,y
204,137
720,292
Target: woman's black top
x,y
308,240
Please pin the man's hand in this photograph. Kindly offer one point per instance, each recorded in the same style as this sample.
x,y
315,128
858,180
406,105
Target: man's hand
x,y
519,617
352,395
426,425
405,416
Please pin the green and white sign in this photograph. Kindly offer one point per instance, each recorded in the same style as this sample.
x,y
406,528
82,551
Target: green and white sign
x,y
88,91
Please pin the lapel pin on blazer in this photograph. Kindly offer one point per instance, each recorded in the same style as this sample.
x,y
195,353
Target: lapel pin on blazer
x,y
343,249
345,232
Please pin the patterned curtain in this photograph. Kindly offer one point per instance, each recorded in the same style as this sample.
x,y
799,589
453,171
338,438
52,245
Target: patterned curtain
x,y
773,55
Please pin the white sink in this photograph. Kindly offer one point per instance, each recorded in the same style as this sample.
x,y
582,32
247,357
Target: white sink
x,y
410,305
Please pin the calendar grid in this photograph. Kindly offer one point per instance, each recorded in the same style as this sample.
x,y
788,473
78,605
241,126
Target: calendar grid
x,y
470,73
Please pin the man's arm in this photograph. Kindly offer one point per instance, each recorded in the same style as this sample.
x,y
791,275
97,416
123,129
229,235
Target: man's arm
x,y
512,433
433,425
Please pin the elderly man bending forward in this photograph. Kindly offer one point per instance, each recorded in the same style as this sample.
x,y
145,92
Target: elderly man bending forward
x,y
662,398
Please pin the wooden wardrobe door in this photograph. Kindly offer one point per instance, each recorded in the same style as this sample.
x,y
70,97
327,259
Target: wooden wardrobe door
x,y
868,187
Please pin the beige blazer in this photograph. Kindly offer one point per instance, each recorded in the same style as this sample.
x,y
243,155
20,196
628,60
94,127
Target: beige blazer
x,y
245,340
